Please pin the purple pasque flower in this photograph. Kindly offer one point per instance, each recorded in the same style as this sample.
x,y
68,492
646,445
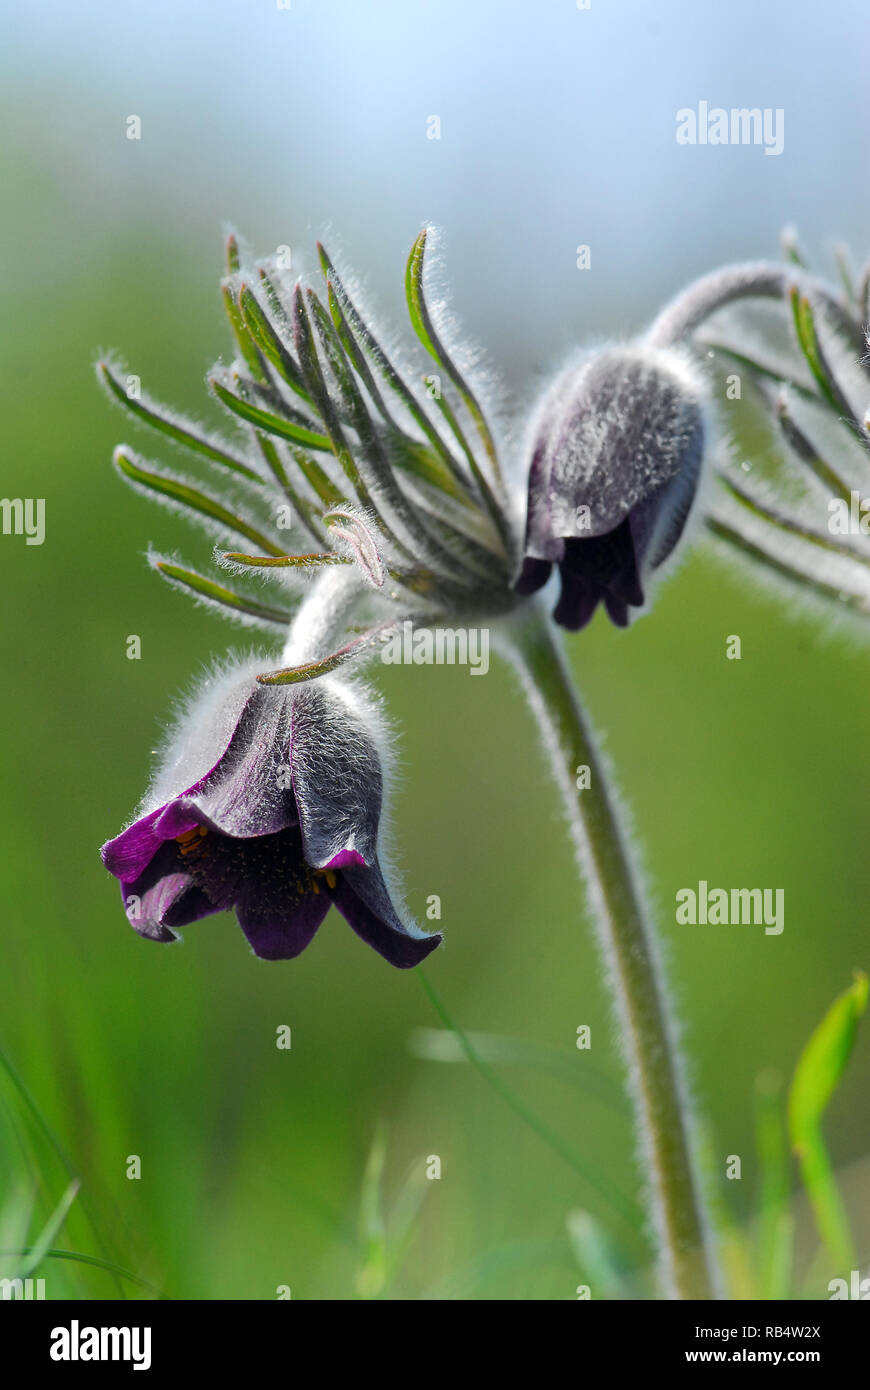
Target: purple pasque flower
x,y
616,457
269,803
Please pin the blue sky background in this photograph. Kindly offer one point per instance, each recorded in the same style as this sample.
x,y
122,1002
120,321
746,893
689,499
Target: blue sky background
x,y
557,129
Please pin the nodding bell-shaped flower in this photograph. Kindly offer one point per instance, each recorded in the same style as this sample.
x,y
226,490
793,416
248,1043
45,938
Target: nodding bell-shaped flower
x,y
269,803
616,455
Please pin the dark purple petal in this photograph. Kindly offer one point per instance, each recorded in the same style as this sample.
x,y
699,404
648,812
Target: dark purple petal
x,y
533,575
577,601
280,933
595,570
191,906
362,898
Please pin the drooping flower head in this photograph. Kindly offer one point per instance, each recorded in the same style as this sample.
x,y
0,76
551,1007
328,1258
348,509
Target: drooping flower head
x,y
268,803
616,455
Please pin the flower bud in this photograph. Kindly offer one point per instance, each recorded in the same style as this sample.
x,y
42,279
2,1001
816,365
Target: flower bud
x,y
616,456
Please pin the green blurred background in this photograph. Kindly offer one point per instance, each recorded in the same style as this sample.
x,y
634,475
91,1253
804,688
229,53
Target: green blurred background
x,y
743,773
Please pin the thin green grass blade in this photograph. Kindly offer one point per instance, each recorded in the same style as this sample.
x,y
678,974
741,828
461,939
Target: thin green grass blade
x,y
372,1275
46,1130
52,1227
627,1210
116,1270
441,1045
818,1072
775,1225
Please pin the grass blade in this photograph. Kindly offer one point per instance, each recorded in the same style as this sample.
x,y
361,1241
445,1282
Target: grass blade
x,y
817,1075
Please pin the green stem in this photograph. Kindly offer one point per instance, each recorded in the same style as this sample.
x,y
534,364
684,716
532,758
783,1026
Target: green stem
x,y
628,946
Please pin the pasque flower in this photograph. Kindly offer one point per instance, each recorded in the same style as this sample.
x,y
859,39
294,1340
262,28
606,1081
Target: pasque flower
x,y
269,803
616,456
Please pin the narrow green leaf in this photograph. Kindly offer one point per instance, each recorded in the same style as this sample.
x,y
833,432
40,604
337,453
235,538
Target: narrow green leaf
x,y
301,505
788,569
428,335
232,253
816,1077
314,380
286,561
318,478
46,1237
269,341
175,429
245,343
807,452
372,1275
186,496
379,470
352,328
219,594
794,528
292,675
808,341
266,420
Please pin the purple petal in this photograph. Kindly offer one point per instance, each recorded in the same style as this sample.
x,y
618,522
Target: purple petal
x,y
362,898
130,853
533,575
281,934
146,912
345,859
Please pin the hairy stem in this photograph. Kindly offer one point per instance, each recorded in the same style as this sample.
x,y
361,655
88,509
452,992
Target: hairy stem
x,y
628,946
752,280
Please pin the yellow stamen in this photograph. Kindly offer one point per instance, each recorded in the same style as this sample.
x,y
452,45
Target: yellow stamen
x,y
189,840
